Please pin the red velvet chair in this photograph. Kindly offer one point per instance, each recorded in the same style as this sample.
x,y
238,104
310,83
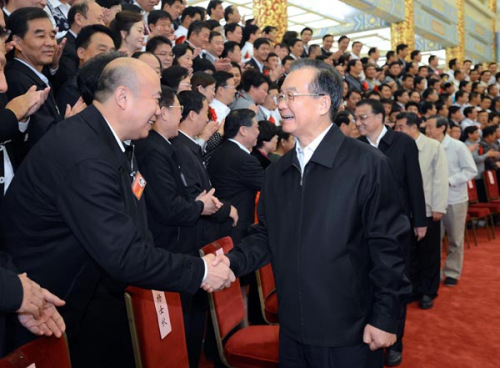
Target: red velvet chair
x,y
239,345
474,204
267,294
44,352
149,349
491,185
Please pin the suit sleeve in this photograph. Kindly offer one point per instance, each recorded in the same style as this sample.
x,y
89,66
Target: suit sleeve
x,y
11,289
253,251
439,200
383,219
251,173
9,127
468,168
162,195
415,186
93,207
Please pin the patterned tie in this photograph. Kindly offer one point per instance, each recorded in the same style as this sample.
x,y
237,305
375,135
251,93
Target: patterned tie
x,y
59,17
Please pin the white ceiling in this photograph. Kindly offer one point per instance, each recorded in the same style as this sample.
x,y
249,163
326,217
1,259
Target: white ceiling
x,y
320,14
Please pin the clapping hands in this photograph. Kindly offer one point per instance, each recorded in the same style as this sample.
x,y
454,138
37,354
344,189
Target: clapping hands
x,y
219,274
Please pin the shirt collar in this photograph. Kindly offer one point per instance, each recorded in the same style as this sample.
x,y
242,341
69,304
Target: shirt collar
x,y
259,64
120,143
446,141
314,144
219,105
239,145
39,75
377,142
191,139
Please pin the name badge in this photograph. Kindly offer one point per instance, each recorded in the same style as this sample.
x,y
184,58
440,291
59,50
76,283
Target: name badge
x,y
138,185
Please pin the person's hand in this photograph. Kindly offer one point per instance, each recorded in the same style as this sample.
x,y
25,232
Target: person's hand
x,y
9,46
377,338
58,53
209,130
49,323
196,52
437,216
276,74
234,215
26,105
219,276
223,65
210,203
33,297
221,127
492,153
420,232
473,147
77,107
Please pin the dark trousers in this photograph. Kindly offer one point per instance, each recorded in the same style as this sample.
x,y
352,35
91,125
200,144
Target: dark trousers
x,y
296,355
426,261
194,311
481,190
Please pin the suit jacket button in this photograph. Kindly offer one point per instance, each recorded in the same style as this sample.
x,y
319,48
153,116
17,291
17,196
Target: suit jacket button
x,y
2,180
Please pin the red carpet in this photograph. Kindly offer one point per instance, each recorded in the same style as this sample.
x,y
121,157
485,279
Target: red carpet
x,y
463,328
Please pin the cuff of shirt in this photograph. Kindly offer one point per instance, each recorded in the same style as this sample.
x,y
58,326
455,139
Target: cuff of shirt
x,y
23,125
205,274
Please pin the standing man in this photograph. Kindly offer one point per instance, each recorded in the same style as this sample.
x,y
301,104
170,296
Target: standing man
x,y
336,256
426,254
461,169
402,153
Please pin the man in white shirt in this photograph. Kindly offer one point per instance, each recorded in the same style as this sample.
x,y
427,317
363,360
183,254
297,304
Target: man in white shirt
x,y
225,89
461,169
189,15
426,255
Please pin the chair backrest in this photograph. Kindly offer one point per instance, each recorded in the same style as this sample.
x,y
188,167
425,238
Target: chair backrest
x,y
491,184
472,190
150,350
226,306
44,352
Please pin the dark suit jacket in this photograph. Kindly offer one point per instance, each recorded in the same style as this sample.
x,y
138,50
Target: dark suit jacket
x,y
236,176
19,79
68,94
331,235
69,62
71,221
197,180
172,214
254,65
402,152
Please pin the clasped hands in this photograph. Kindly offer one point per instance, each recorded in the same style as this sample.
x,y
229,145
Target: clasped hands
x,y
219,275
38,311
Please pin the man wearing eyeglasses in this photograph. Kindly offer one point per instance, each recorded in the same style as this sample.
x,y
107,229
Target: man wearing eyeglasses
x,y
402,152
336,256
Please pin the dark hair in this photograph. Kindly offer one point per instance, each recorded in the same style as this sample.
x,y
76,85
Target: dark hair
x,y
180,50
267,131
203,65
89,74
192,101
327,35
286,58
427,92
342,118
261,41
452,63
212,5
155,42
228,11
196,27
230,27
229,47
138,54
401,47
389,54
411,103
414,53
372,50
201,79
17,22
288,36
292,42
83,38
221,79
459,94
326,81
214,34
468,110
269,29
236,119
247,31
189,11
426,106
77,8
155,15
452,110
343,37
306,29
440,122
253,78
123,21
431,58
412,119
377,107
212,24
471,130
167,97
172,76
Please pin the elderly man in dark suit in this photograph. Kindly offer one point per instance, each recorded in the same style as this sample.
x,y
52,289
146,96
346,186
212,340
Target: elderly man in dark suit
x,y
87,236
329,223
402,152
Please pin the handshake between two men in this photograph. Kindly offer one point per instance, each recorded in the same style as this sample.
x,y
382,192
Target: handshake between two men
x,y
219,275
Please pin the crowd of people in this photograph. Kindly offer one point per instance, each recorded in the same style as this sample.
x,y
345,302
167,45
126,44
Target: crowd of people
x,y
100,202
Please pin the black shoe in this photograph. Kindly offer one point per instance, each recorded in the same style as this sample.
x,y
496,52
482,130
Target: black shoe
x,y
450,281
426,302
393,358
